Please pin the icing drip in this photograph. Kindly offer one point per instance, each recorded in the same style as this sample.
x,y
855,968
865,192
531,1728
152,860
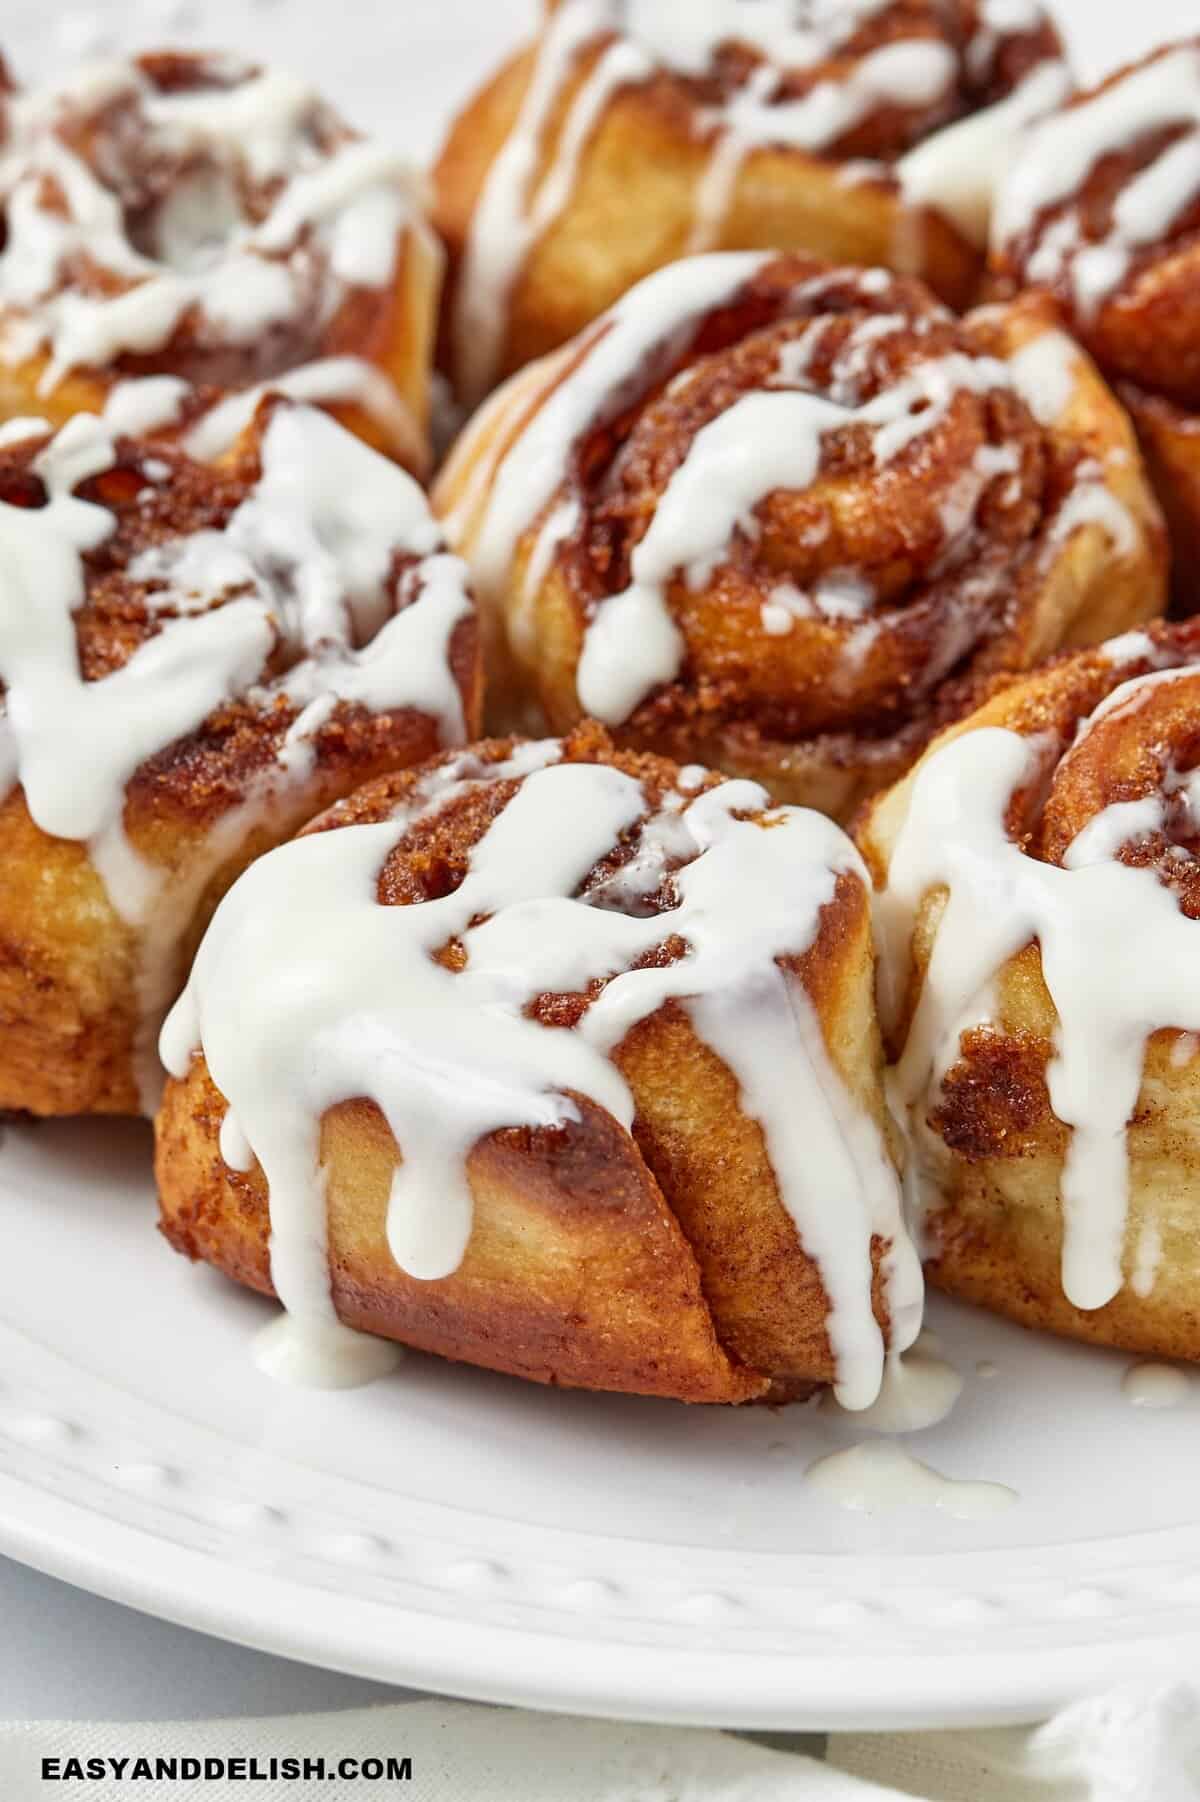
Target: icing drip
x,y
348,1000
144,404
879,1477
1130,647
999,900
1155,1386
1044,373
312,1359
1062,153
273,215
919,1390
630,41
507,221
302,566
1149,1251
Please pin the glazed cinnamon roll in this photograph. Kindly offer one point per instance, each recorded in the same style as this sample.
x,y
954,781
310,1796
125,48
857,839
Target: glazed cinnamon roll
x,y
1040,907
633,133
194,660
777,518
557,1060
179,230
1102,210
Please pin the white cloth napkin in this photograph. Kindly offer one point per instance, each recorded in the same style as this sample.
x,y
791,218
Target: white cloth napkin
x,y
1138,1746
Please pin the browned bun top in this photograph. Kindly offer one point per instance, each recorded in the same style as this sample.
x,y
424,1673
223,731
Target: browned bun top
x,y
852,523
904,571
1115,725
983,65
175,546
1121,260
449,802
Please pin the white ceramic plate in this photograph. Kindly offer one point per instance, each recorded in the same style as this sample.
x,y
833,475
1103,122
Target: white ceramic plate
x,y
457,1531
453,1530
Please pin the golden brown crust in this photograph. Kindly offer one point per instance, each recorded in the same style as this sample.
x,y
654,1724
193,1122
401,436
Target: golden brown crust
x,y
636,196
990,1149
575,1275
662,1263
825,713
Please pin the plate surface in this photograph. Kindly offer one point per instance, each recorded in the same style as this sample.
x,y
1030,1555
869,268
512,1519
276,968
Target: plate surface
x,y
453,1530
449,1529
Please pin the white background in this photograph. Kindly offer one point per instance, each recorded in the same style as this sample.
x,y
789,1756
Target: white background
x,y
398,69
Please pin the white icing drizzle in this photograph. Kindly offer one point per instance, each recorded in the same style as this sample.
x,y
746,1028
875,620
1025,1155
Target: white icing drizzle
x,y
1092,503
1045,372
1060,154
1149,1251
330,1358
768,440
507,221
329,379
1155,1386
632,40
957,171
16,431
999,901
347,1000
879,1477
1130,647
914,74
337,212
785,33
306,561
144,404
644,331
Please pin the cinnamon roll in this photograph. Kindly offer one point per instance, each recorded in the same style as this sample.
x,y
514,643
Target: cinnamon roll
x,y
194,660
1040,915
558,1060
1102,210
179,230
633,133
778,519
